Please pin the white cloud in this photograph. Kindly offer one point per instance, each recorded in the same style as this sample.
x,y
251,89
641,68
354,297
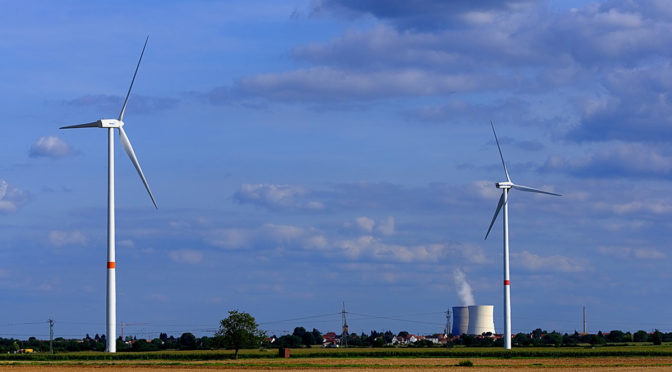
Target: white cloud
x,y
617,160
556,263
365,224
277,196
267,235
50,147
326,83
61,238
272,236
230,238
186,256
630,252
487,190
655,206
367,246
649,254
126,243
386,226
11,198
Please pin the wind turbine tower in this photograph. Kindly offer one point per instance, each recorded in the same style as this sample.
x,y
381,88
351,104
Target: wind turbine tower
x,y
506,186
110,125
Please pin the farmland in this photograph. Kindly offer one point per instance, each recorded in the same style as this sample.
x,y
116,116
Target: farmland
x,y
625,358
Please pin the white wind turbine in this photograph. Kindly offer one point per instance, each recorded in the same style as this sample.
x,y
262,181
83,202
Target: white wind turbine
x,y
503,201
110,124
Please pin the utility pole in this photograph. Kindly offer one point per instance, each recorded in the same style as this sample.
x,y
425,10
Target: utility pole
x,y
344,333
584,321
51,336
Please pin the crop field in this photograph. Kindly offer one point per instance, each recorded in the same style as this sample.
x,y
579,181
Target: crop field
x,y
630,358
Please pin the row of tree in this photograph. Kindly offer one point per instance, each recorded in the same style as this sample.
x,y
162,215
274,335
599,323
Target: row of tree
x,y
240,331
539,337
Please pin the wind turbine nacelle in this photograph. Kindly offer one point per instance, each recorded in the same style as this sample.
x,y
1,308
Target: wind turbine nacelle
x,y
111,123
504,185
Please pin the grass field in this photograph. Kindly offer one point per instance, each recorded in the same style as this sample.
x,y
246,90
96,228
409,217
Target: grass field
x,y
619,358
310,353
359,364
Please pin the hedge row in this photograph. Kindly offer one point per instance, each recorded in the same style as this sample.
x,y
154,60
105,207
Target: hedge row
x,y
648,351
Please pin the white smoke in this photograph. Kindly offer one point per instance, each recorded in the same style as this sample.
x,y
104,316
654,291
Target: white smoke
x,y
463,288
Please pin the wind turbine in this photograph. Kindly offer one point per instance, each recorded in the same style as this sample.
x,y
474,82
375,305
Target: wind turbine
x,y
111,124
506,186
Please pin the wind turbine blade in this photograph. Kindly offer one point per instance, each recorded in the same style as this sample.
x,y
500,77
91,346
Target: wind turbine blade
x,y
131,154
123,108
531,189
500,152
499,207
95,124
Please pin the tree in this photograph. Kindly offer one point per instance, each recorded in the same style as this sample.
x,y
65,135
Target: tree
x,y
289,341
317,336
616,336
553,338
187,341
239,330
640,336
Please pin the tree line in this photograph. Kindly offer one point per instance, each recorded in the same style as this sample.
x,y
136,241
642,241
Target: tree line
x,y
240,331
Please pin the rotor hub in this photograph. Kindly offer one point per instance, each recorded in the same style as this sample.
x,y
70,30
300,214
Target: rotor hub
x,y
111,123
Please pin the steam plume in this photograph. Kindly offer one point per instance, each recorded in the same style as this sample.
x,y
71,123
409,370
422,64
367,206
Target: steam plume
x,y
463,288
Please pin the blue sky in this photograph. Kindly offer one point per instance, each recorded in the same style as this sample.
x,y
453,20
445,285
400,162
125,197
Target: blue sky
x,y
305,153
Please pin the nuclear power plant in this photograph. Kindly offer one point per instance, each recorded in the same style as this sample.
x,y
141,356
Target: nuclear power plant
x,y
473,320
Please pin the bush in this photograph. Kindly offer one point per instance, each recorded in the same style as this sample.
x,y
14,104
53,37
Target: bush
x,y
465,363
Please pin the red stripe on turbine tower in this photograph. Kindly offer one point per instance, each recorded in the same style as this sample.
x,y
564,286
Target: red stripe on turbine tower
x,y
506,282
110,265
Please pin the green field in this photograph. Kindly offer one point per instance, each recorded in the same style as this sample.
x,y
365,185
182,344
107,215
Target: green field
x,y
457,352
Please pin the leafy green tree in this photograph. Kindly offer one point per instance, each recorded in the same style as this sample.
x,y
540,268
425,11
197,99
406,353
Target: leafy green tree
x,y
299,331
187,341
317,336
640,336
378,341
521,339
423,343
239,330
597,339
657,337
308,339
553,338
142,345
289,341
537,333
467,340
615,336
570,340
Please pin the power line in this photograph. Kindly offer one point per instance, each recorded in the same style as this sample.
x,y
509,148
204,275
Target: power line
x,y
301,318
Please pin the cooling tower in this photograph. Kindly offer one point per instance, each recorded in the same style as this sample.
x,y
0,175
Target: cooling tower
x,y
480,320
460,320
